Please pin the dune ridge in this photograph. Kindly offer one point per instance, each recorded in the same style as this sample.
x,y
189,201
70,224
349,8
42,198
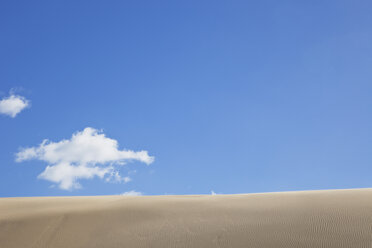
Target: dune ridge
x,y
328,218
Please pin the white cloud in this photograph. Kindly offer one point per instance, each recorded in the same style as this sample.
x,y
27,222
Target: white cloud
x,y
88,154
114,176
13,105
132,193
126,179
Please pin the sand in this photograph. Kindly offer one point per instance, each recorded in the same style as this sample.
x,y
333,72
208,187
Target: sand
x,y
329,218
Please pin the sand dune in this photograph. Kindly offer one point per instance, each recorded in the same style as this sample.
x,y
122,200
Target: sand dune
x,y
334,218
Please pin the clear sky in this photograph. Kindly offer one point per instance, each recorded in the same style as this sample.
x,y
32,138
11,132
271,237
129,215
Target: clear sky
x,y
223,96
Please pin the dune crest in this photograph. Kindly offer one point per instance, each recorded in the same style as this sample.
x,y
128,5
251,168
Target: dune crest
x,y
329,218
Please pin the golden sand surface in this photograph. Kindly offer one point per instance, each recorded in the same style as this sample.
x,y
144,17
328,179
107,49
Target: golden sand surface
x,y
328,218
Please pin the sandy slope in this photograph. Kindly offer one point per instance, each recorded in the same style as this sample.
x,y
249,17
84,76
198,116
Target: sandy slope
x,y
339,218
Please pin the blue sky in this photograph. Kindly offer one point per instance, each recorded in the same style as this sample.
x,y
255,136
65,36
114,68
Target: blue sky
x,y
229,96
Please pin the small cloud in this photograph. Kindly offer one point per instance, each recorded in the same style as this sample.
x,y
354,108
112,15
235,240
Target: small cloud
x,y
213,193
126,179
86,155
132,193
13,105
115,177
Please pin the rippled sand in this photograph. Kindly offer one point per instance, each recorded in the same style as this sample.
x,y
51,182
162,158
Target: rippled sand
x,y
334,218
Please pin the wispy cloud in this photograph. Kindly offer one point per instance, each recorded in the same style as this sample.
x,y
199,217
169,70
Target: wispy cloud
x,y
132,193
87,154
13,105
